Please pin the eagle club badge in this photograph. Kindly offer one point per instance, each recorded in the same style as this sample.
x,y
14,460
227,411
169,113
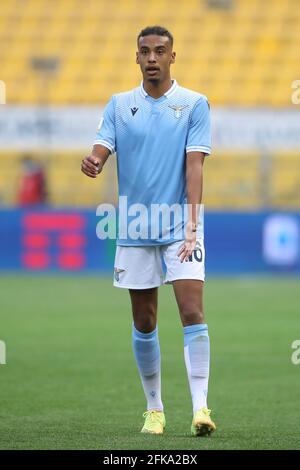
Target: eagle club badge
x,y
117,273
178,110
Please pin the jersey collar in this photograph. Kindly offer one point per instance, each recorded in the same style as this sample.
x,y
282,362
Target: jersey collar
x,y
167,94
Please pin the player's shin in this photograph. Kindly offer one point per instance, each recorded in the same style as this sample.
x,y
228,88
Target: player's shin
x,y
197,356
147,354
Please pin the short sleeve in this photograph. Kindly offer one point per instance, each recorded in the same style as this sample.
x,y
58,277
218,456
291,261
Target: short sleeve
x,y
106,132
199,133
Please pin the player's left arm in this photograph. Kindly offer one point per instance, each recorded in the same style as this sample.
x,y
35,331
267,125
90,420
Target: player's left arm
x,y
194,184
198,145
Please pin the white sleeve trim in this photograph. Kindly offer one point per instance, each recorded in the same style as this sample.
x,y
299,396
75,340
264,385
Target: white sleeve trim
x,y
198,149
105,144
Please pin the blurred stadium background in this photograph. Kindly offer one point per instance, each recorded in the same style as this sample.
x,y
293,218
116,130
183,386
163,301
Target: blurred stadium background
x,y
60,61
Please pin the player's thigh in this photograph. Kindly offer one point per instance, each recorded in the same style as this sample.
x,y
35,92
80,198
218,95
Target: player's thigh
x,y
137,267
189,298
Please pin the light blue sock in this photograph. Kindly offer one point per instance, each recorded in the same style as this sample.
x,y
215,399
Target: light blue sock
x,y
147,355
197,355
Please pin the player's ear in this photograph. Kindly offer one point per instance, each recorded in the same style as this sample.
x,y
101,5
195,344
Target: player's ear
x,y
173,57
137,58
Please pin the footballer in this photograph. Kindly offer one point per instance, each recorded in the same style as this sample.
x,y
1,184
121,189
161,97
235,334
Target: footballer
x,y
161,135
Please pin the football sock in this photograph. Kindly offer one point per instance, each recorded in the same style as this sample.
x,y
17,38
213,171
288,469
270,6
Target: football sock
x,y
147,355
196,355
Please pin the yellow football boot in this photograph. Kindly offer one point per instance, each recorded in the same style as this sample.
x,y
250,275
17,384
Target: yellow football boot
x,y
202,424
155,422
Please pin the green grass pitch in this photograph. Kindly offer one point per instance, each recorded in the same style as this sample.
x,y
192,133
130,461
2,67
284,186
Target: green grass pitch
x,y
70,381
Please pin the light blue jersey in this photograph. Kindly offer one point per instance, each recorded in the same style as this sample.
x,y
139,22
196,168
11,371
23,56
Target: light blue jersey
x,y
151,138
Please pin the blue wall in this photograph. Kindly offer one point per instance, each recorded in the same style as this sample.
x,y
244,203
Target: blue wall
x,y
65,240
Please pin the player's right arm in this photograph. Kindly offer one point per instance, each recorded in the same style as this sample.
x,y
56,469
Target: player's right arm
x,y
92,164
104,145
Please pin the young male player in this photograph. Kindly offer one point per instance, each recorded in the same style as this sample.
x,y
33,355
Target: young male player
x,y
161,135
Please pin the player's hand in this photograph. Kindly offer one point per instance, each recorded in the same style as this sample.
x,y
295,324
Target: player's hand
x,y
189,244
91,166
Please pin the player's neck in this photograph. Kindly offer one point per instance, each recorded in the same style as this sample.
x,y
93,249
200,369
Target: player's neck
x,y
157,89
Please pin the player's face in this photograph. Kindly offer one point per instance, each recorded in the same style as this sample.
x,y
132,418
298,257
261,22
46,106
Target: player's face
x,y
155,57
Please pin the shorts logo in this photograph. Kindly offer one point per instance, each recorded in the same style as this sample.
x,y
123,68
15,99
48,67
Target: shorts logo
x,y
197,254
117,273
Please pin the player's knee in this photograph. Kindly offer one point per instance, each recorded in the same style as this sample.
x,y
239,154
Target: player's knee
x,y
145,321
145,326
191,314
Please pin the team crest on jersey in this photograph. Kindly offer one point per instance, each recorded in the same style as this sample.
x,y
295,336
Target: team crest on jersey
x,y
178,110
